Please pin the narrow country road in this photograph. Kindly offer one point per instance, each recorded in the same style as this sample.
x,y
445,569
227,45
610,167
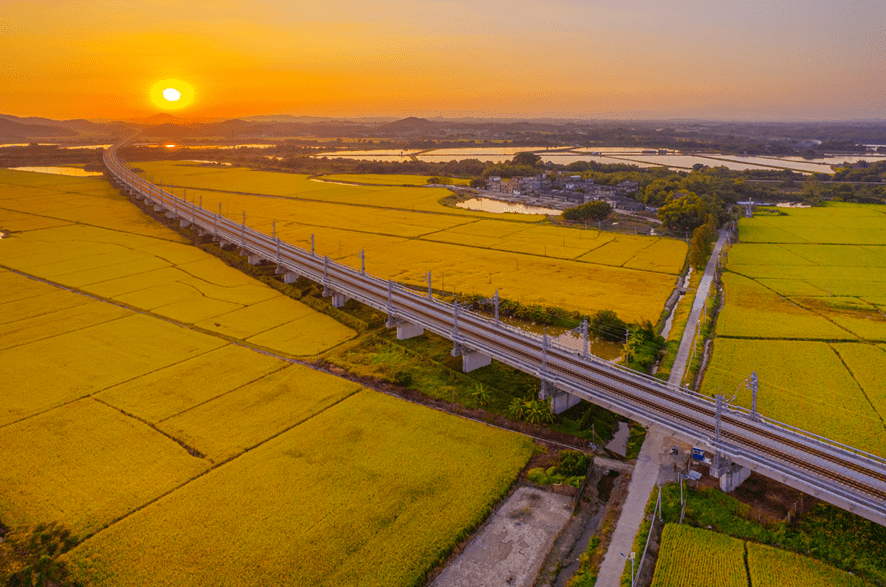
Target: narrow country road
x,y
704,288
651,458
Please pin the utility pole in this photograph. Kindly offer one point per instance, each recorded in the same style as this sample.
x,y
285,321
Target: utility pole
x,y
312,244
717,433
752,383
544,364
390,299
496,305
428,277
363,262
586,346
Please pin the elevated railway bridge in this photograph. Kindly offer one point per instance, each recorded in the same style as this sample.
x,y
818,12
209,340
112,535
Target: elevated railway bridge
x,y
741,439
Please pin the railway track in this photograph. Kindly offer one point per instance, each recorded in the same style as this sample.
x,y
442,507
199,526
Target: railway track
x,y
842,475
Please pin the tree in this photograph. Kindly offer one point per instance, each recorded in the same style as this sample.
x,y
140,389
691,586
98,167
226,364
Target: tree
x,y
526,158
703,239
595,211
607,325
683,212
478,183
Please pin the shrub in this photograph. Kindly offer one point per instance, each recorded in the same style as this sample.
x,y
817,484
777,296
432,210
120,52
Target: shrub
x,y
607,325
403,378
538,476
573,463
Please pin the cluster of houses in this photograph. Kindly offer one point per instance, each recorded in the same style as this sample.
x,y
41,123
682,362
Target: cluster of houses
x,y
568,188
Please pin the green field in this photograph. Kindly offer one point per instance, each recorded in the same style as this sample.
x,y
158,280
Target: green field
x,y
693,556
115,420
814,274
585,270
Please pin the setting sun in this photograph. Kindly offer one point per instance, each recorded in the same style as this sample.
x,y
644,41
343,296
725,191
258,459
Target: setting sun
x,y
172,94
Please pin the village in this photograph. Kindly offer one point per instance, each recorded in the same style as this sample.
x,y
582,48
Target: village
x,y
561,190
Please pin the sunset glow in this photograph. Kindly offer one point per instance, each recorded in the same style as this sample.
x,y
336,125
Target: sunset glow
x,y
562,58
172,94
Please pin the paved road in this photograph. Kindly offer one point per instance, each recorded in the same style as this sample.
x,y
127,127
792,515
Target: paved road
x,y
704,288
643,480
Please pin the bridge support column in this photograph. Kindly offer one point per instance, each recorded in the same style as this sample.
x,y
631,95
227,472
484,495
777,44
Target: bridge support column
x,y
184,223
290,277
158,208
560,400
472,360
405,330
251,258
339,300
733,476
171,215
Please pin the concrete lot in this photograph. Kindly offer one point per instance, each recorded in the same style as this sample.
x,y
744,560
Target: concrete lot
x,y
510,550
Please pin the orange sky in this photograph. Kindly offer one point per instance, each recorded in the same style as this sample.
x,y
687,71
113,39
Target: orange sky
x,y
562,58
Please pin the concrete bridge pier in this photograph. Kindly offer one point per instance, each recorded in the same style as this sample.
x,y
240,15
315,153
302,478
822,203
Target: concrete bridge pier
x,y
184,223
171,215
560,400
405,330
158,208
472,360
731,476
289,276
251,258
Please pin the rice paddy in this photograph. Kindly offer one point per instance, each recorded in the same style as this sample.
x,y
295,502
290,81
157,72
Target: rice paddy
x,y
405,232
372,491
814,274
693,556
150,269
253,470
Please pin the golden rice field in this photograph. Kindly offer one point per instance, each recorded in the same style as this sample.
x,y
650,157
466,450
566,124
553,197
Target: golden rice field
x,y
772,567
149,268
247,416
372,491
693,556
387,179
584,270
112,418
815,274
291,185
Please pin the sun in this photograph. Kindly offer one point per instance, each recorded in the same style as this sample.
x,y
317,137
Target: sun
x,y
172,94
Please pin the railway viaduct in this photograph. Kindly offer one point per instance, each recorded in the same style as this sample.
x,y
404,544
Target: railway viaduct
x,y
741,440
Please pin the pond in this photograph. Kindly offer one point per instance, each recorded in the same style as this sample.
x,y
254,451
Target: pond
x,y
499,207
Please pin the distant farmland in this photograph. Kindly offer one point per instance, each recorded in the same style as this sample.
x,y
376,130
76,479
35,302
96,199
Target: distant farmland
x,y
406,232
805,302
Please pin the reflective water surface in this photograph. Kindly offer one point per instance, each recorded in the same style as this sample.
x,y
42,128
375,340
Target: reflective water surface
x,y
499,207
72,171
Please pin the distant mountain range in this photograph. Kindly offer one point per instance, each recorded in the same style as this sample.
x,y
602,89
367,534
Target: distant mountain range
x,y
168,127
